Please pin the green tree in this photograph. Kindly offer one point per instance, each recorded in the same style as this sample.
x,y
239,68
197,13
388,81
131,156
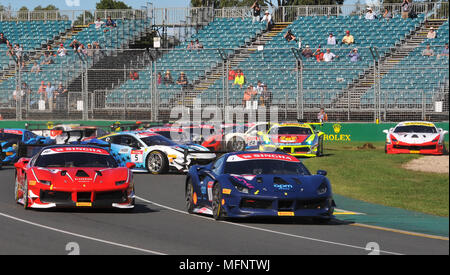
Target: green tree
x,y
111,5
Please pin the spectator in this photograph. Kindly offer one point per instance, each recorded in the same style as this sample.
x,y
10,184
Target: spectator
x,y
3,39
354,55
61,51
74,45
36,68
159,79
329,56
266,97
370,15
387,14
90,50
110,24
50,93
322,116
18,50
307,52
98,23
198,45
97,50
182,80
10,52
60,97
42,91
249,93
134,75
47,59
348,38
319,55
406,7
431,33
256,12
50,51
331,40
167,80
239,78
259,87
444,52
267,18
289,36
18,93
231,74
191,45
428,51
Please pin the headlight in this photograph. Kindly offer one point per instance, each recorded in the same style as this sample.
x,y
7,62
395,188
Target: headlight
x,y
323,188
46,182
239,186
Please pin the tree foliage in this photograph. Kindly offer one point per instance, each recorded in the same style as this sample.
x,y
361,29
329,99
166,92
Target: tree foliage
x,y
111,5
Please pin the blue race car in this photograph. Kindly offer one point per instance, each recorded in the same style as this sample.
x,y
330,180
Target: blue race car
x,y
10,139
258,184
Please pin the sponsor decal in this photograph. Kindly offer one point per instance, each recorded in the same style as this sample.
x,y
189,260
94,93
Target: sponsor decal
x,y
337,128
84,204
226,191
167,129
419,124
283,187
137,156
257,156
14,132
286,214
75,150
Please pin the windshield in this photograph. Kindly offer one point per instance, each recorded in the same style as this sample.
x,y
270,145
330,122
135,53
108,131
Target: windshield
x,y
10,137
76,160
290,130
257,167
175,136
157,140
415,129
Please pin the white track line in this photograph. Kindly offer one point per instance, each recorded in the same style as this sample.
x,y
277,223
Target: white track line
x,y
82,236
264,230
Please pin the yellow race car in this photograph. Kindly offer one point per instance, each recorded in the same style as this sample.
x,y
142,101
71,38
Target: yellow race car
x,y
297,139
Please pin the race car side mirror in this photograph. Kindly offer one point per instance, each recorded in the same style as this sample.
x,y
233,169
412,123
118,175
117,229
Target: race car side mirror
x,y
130,165
386,132
19,165
322,172
260,133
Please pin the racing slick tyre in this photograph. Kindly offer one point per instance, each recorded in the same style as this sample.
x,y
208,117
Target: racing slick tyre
x,y
236,145
157,163
320,147
25,195
217,209
189,195
16,190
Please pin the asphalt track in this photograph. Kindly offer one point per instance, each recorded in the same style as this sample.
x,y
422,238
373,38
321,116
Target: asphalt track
x,y
159,225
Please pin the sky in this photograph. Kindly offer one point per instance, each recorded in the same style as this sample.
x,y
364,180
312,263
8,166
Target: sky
x,y
89,4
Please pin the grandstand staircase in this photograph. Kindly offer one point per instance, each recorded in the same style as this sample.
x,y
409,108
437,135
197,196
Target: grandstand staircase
x,y
412,41
240,55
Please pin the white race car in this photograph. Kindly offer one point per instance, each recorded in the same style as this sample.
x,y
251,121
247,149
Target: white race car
x,y
155,153
415,137
245,136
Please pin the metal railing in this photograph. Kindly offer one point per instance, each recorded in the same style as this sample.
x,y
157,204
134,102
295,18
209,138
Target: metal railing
x,y
297,87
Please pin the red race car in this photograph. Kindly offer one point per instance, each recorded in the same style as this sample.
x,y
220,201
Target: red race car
x,y
79,176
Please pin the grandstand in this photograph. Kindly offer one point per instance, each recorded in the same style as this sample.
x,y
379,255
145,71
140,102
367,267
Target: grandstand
x,y
390,81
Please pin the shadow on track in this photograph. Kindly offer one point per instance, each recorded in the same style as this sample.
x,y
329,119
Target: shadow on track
x,y
138,209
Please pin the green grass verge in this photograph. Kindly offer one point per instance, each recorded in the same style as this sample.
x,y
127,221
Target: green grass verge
x,y
372,176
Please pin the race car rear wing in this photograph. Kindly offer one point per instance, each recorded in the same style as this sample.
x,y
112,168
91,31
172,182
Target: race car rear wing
x,y
29,150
